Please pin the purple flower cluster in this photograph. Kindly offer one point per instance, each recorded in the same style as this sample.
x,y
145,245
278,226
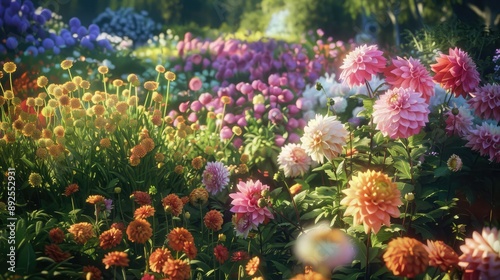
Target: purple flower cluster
x,y
125,22
24,28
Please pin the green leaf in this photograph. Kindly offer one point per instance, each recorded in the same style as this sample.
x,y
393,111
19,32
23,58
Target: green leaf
x,y
286,273
314,213
404,169
441,171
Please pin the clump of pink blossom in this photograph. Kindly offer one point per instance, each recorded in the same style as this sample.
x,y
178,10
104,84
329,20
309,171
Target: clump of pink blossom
x,y
360,64
485,139
458,121
294,160
486,102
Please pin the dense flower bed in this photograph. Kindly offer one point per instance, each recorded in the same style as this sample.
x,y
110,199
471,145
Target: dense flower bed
x,y
254,160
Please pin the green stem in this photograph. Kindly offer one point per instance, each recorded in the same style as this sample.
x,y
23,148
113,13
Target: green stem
x,y
367,268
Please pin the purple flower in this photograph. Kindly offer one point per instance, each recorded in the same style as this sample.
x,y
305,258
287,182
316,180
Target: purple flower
x,y
48,43
226,133
215,177
275,115
11,43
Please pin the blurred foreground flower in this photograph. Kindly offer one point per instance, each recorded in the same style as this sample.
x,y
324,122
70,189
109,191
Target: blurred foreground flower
x,y
482,253
324,248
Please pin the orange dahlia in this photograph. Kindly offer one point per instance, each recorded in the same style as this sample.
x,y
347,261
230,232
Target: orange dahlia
x,y
158,258
144,212
95,199
221,253
55,252
81,232
198,196
91,272
309,276
71,189
141,198
372,199
177,269
115,258
172,204
213,220
56,235
252,266
139,231
110,238
441,255
177,237
190,249
406,257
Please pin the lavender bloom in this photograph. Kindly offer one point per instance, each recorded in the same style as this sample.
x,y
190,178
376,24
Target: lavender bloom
x,y
215,177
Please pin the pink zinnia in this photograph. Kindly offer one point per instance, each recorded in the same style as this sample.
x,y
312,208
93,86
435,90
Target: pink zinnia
x,y
458,121
215,177
294,160
360,64
410,73
400,113
324,137
250,202
486,102
482,253
195,84
456,72
486,140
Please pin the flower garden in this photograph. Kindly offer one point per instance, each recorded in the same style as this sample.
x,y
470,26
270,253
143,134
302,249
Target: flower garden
x,y
183,157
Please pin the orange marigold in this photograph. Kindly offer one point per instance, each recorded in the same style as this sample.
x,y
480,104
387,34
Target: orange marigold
x,y
441,255
55,252
110,238
91,272
172,204
198,196
71,189
158,258
141,198
144,212
115,258
139,231
95,199
213,220
252,266
177,237
190,249
372,199
56,235
406,257
81,232
177,269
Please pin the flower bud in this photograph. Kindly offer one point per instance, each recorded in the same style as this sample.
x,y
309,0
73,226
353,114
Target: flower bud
x,y
455,111
118,190
264,193
318,86
262,202
222,237
409,196
187,215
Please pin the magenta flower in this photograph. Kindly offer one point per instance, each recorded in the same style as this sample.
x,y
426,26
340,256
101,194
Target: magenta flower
x,y
400,113
249,200
195,84
485,139
410,73
215,177
456,72
458,121
294,160
360,64
486,102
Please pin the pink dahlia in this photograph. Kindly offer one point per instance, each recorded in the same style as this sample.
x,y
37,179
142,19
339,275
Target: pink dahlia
x,y
294,160
486,102
195,84
458,121
360,64
215,177
456,72
400,113
485,139
410,73
372,199
482,253
250,200
324,137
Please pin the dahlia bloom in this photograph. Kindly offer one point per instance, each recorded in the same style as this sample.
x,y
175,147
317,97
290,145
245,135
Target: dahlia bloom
x,y
410,73
177,269
400,113
198,197
139,231
92,273
115,258
294,160
324,248
213,220
141,198
221,253
172,204
158,258
441,255
81,232
215,177
372,199
252,266
324,137
406,257
110,238
456,72
486,102
56,235
482,253
250,200
143,212
360,64
485,139
55,252
243,224
177,237
458,121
